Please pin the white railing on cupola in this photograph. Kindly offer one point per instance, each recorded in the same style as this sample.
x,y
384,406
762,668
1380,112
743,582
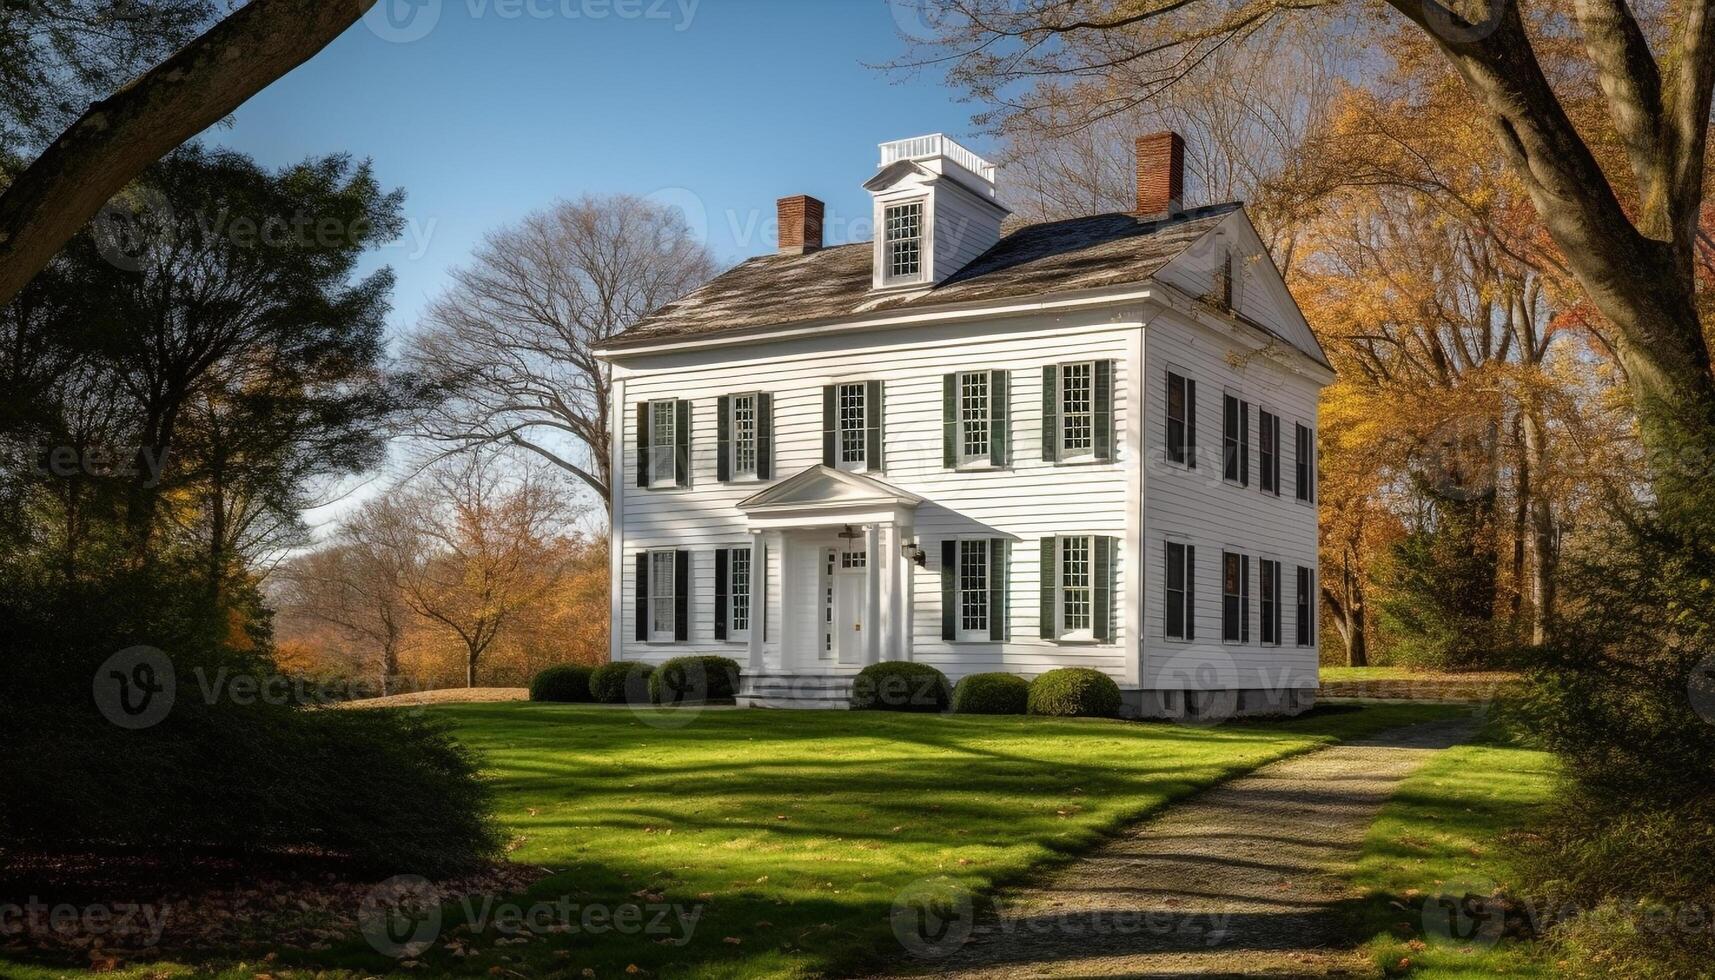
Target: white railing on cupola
x,y
936,145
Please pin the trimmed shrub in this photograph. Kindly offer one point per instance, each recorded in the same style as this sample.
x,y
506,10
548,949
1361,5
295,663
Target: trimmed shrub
x,y
897,685
695,680
991,694
566,683
1075,692
621,683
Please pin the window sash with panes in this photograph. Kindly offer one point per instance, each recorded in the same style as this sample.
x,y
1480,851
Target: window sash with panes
x,y
1077,410
904,230
1304,449
738,592
1178,417
974,590
850,402
663,443
744,436
974,418
1236,441
1270,602
1235,597
663,605
1306,619
1180,597
1077,592
1268,425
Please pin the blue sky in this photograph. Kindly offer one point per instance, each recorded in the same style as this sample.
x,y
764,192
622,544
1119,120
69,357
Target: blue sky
x,y
717,106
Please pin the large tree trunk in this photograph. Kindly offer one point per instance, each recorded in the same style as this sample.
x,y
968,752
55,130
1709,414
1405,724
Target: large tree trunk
x,y
122,135
1542,544
1347,605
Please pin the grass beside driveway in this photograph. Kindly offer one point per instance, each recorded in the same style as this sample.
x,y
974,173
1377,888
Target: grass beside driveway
x,y
791,833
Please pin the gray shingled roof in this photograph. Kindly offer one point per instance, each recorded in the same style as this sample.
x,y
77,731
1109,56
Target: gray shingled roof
x,y
834,283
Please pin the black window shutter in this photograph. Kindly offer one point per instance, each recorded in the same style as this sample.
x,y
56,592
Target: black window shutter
x,y
1050,414
1000,419
949,420
828,431
998,577
723,438
1244,444
1190,592
681,595
875,414
1190,424
721,557
1102,619
1104,410
682,444
1046,610
643,444
643,595
764,436
949,589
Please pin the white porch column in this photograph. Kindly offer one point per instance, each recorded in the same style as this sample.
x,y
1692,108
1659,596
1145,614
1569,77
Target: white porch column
x,y
907,595
775,542
872,594
758,601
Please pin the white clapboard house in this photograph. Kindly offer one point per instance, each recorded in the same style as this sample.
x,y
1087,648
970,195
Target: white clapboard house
x,y
1087,442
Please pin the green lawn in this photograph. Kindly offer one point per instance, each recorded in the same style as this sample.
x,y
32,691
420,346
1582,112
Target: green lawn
x,y
792,833
1440,835
1335,674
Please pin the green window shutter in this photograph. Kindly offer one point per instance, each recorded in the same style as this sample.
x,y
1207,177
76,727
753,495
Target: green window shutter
x,y
828,432
723,438
643,444
682,444
1050,413
643,595
1103,421
721,557
1000,419
1046,618
998,579
764,436
875,416
949,589
950,420
681,595
1102,618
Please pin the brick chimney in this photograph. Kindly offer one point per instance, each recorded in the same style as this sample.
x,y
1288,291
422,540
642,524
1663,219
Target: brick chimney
x,y
800,224
1160,174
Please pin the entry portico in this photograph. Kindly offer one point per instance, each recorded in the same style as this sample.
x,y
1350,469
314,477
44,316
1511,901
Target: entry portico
x,y
845,543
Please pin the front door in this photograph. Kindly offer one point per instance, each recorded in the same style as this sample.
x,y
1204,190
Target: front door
x,y
846,622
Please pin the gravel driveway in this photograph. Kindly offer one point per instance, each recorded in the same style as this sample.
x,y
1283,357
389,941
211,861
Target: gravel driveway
x,y
1241,880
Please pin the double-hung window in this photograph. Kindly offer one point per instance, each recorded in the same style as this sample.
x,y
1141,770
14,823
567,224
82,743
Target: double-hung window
x,y
1304,462
1077,410
853,422
1077,593
1180,582
974,589
663,601
975,417
1235,597
1236,440
903,227
1271,602
663,442
1306,618
744,436
738,592
1268,426
1181,420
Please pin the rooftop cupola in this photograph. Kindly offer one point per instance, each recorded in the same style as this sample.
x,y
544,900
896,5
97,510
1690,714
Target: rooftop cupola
x,y
935,210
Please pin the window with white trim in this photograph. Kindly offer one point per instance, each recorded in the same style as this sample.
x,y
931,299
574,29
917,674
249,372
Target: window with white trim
x,y
1180,585
1235,597
1076,574
1306,618
1270,599
663,603
974,589
663,443
1077,410
744,436
738,593
1180,414
1236,440
974,417
903,227
853,425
